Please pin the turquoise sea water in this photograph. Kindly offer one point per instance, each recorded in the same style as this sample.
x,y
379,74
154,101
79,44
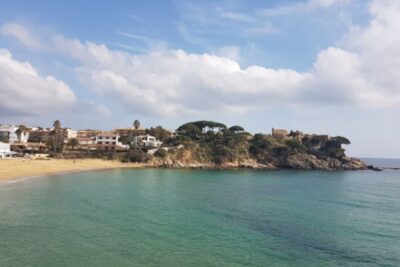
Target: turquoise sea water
x,y
159,217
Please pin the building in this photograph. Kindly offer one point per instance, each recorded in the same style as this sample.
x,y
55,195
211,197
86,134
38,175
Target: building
x,y
5,150
69,133
8,133
37,135
31,148
88,133
86,141
130,132
172,133
109,141
146,141
297,135
23,135
279,133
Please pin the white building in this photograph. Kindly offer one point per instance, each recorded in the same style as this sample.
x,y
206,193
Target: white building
x,y
23,137
109,141
8,134
146,141
69,133
86,141
5,150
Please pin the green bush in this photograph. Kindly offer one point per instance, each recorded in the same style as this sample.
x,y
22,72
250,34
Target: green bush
x,y
137,155
295,146
161,153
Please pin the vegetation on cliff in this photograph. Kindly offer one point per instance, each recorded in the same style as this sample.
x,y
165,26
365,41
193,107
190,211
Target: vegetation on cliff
x,y
212,143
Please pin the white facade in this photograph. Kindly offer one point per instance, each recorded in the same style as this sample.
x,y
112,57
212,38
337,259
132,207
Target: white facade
x,y
23,137
69,133
5,150
107,139
146,141
86,141
8,133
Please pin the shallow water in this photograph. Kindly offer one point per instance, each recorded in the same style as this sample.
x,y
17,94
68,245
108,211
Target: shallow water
x,y
159,217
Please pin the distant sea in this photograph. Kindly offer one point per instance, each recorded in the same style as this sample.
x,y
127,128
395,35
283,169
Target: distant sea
x,y
382,163
158,217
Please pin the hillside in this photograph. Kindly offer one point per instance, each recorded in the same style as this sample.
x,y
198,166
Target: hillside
x,y
208,144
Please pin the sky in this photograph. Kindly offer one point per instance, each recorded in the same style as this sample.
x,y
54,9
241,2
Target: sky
x,y
320,66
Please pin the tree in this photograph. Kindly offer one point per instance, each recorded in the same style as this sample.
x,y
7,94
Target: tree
x,y
201,129
124,139
205,125
190,130
158,132
73,142
295,146
136,124
137,155
57,138
333,147
57,124
262,147
178,140
341,140
161,153
236,129
21,130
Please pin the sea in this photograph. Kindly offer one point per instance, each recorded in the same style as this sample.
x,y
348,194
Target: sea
x,y
163,217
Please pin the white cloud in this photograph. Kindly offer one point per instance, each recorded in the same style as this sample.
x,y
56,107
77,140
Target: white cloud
x,y
199,20
234,15
300,7
22,34
24,91
363,71
147,42
327,3
378,49
231,52
342,76
190,35
175,81
95,109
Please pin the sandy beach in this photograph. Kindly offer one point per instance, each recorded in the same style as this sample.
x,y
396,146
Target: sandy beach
x,y
18,168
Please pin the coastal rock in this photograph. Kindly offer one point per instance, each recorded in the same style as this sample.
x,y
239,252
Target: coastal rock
x,y
373,168
295,161
172,163
353,164
311,162
306,162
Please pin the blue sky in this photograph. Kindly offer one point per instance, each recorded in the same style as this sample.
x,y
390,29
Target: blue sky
x,y
324,66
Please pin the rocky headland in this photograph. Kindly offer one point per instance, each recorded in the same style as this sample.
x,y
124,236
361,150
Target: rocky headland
x,y
212,145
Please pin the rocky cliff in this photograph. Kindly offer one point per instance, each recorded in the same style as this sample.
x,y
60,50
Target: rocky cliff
x,y
207,144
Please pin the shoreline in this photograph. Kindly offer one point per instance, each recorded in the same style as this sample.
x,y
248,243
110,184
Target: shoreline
x,y
15,170
12,170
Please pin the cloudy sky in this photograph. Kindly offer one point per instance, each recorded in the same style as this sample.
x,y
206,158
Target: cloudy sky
x,y
323,66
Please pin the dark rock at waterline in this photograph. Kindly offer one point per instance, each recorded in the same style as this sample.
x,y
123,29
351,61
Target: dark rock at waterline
x,y
373,168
